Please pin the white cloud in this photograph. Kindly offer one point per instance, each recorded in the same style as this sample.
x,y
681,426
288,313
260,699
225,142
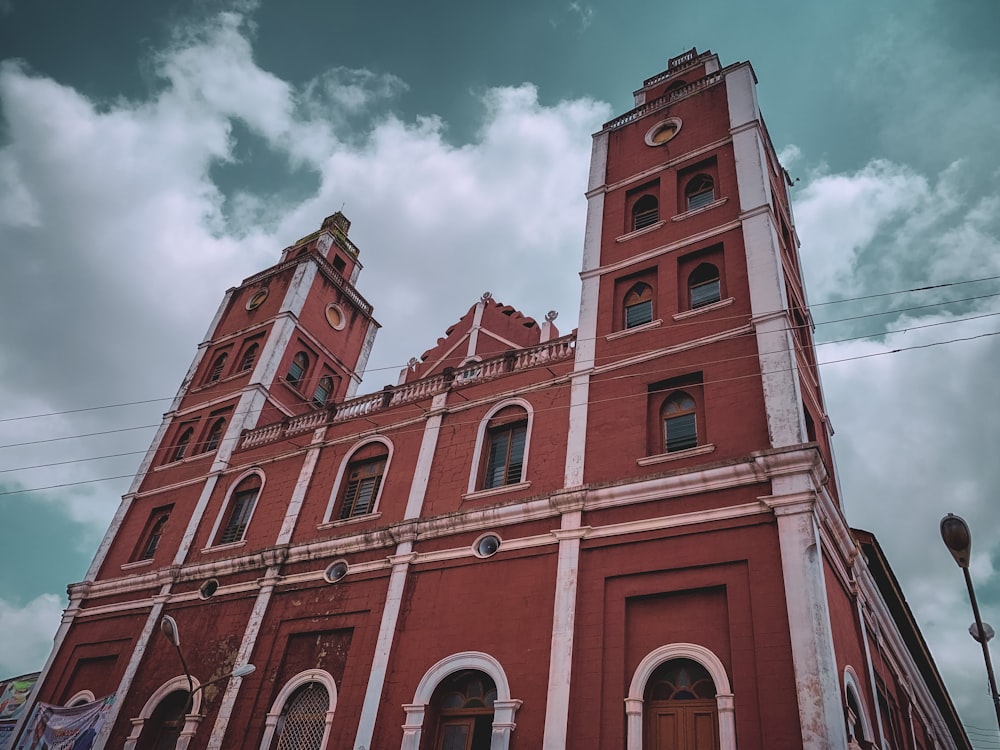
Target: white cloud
x,y
27,633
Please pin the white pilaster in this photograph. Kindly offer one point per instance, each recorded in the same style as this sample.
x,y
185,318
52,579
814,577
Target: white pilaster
x,y
768,300
301,485
816,677
397,579
563,630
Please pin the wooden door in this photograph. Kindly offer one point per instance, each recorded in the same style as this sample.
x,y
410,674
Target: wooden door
x,y
681,725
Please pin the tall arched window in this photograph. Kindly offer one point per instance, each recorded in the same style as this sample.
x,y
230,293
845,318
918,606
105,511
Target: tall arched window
x,y
645,211
163,728
217,367
182,444
214,435
700,191
680,423
249,357
323,389
297,371
638,304
704,286
362,481
506,436
239,509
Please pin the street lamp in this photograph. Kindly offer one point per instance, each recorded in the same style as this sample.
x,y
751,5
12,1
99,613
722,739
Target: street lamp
x,y
168,626
958,539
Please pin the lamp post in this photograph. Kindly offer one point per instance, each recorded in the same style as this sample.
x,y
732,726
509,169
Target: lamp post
x,y
958,539
168,626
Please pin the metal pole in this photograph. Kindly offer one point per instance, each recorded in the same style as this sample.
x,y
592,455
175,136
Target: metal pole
x,y
983,642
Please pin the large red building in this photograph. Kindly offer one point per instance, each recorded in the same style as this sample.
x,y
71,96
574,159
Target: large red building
x,y
630,536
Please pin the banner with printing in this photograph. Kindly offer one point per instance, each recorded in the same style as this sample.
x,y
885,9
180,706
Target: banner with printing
x,y
58,728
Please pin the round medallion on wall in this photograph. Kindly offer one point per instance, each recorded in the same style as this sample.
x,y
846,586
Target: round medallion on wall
x,y
335,571
257,298
335,317
663,131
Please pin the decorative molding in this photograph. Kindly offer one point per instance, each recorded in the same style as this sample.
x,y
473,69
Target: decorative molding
x,y
704,309
636,232
661,458
480,494
635,329
701,209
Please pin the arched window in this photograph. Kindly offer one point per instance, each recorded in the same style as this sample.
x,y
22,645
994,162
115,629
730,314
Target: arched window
x,y
214,435
239,509
680,697
182,444
302,720
217,367
700,191
301,715
155,527
297,371
503,457
362,481
859,729
645,211
680,423
638,305
704,286
323,390
249,357
464,706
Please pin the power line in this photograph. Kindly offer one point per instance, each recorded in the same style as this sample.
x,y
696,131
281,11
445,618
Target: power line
x,y
596,401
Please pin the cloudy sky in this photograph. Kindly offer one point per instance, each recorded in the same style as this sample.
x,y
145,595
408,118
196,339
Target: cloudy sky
x,y
154,154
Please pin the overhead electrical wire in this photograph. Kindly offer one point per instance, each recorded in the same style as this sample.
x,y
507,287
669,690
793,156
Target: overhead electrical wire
x,y
563,406
677,324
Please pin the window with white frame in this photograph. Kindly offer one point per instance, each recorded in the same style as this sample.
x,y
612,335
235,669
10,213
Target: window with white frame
x,y
359,484
301,715
502,449
239,508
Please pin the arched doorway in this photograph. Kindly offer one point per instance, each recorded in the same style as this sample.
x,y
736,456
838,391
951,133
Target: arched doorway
x,y
680,708
163,728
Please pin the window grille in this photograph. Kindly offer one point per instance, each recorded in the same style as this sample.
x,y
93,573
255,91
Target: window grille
x,y
700,192
680,426
323,389
638,306
182,444
241,506
249,357
645,212
298,369
217,367
303,719
214,435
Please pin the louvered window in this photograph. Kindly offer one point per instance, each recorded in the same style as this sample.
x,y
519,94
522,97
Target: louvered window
x,y
700,191
303,718
638,305
704,285
214,435
645,212
241,506
322,392
680,424
505,457
363,480
217,367
297,371
182,444
249,357
153,536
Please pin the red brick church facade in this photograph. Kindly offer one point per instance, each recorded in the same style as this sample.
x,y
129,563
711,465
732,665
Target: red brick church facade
x,y
630,536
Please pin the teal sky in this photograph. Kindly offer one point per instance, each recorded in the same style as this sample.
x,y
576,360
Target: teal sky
x,y
153,154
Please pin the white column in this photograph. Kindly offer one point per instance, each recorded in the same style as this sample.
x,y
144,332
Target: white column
x,y
815,665
563,629
397,582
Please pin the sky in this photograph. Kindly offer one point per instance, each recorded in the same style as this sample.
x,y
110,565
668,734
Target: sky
x,y
153,154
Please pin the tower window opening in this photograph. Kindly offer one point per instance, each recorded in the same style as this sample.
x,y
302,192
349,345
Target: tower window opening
x,y
323,390
700,191
214,435
638,305
680,424
217,367
704,285
182,444
154,533
249,357
645,212
297,370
